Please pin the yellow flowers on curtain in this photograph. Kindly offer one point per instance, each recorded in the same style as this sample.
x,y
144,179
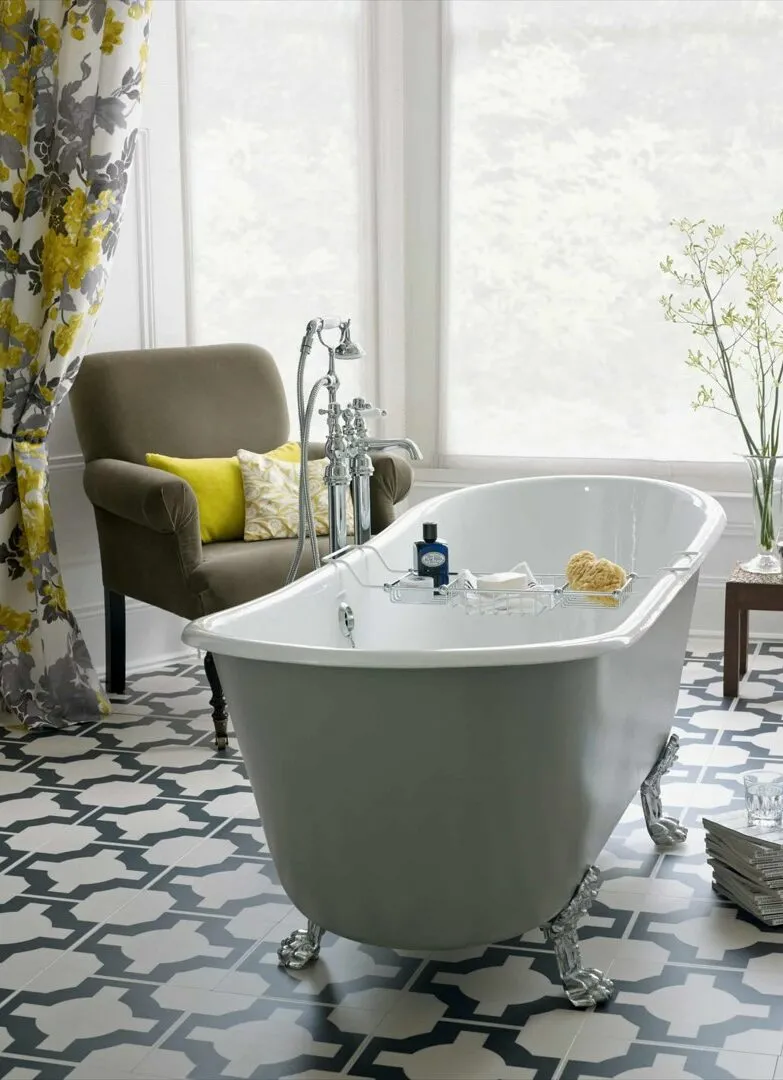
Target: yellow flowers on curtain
x,y
71,74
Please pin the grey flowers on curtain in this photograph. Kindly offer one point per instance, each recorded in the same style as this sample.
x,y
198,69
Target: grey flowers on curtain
x,y
71,74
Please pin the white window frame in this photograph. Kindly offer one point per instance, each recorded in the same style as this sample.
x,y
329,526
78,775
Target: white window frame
x,y
411,66
381,257
405,123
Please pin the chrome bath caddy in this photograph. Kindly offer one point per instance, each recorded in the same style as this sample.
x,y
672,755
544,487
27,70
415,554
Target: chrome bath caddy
x,y
548,591
545,593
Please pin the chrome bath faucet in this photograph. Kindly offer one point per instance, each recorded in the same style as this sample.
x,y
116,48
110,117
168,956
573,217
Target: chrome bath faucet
x,y
359,448
348,446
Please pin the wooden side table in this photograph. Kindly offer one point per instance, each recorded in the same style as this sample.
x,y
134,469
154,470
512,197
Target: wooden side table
x,y
745,592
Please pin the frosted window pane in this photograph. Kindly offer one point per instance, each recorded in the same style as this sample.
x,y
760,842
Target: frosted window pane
x,y
579,129
273,140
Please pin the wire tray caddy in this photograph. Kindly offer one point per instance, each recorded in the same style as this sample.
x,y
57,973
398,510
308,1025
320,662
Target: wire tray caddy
x,y
545,593
548,591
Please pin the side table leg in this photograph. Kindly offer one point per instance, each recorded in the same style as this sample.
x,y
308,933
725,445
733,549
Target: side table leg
x,y
743,642
731,636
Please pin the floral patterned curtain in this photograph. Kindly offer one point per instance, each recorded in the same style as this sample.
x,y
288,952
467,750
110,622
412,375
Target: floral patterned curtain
x,y
71,74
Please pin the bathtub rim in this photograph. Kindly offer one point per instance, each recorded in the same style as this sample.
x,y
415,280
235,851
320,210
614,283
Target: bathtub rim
x,y
208,632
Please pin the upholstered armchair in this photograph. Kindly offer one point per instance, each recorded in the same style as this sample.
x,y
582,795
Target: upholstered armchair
x,y
204,401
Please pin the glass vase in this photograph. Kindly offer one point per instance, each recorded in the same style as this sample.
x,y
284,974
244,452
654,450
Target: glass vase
x,y
766,485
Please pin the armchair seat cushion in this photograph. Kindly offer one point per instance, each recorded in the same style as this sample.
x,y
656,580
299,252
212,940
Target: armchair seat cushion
x,y
235,572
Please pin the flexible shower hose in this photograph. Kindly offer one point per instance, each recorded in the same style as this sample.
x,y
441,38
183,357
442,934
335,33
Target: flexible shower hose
x,y
306,516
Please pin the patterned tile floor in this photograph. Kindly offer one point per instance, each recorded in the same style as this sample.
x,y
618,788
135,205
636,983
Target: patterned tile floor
x,y
141,913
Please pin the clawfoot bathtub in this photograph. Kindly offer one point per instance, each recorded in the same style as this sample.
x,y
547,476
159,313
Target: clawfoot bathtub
x,y
431,778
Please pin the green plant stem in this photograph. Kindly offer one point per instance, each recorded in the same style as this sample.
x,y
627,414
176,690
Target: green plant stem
x,y
763,474
725,362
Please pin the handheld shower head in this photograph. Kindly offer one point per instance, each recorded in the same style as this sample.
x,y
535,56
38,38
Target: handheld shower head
x,y
347,349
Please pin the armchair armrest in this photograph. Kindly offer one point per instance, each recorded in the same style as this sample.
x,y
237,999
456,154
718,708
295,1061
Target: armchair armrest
x,y
389,485
146,496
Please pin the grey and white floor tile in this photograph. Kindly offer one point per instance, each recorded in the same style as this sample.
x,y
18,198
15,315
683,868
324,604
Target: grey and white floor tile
x,y
141,913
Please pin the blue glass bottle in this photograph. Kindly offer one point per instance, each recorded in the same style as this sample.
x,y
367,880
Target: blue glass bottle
x,y
431,556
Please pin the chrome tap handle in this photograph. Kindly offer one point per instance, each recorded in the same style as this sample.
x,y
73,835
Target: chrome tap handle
x,y
362,468
368,411
349,426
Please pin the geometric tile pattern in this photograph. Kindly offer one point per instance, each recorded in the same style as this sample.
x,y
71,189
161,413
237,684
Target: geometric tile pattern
x,y
141,914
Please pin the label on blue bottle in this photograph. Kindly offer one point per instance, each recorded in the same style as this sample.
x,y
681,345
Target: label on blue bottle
x,y
433,559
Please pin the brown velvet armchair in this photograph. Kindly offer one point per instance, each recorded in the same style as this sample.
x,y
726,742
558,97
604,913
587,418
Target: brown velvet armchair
x,y
203,401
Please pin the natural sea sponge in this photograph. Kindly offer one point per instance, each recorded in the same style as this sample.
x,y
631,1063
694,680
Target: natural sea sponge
x,y
585,572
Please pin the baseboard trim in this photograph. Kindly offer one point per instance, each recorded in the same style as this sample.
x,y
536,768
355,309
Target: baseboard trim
x,y
161,660
710,581
62,462
717,635
92,611
154,637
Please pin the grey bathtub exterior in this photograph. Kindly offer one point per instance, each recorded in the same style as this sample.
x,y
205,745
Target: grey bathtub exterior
x,y
443,808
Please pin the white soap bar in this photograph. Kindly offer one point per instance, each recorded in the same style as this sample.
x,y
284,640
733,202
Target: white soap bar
x,y
503,582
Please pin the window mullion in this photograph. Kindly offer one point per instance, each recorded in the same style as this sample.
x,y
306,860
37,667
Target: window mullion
x,y
384,82
423,26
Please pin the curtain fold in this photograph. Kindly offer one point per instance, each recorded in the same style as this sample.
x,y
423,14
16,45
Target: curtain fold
x,y
71,76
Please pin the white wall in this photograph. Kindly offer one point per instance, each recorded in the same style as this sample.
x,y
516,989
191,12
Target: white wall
x,y
144,307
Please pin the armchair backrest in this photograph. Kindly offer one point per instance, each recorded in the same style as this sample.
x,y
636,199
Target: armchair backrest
x,y
199,401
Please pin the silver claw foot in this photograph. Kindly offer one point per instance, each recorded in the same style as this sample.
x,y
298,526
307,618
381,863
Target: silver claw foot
x,y
300,948
665,831
584,987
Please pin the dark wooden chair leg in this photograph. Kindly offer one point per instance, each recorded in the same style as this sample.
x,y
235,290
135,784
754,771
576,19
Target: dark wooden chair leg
x,y
731,635
218,703
114,614
743,642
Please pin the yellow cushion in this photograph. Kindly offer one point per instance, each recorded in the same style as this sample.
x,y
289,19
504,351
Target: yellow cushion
x,y
271,485
217,484
290,451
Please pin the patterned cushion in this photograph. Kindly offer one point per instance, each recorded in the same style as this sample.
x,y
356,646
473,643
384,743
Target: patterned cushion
x,y
271,489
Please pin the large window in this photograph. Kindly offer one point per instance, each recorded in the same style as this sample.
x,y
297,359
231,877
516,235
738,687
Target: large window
x,y
578,129
276,173
486,186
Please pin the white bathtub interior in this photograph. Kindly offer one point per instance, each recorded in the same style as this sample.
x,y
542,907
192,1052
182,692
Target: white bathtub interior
x,y
642,525
636,523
